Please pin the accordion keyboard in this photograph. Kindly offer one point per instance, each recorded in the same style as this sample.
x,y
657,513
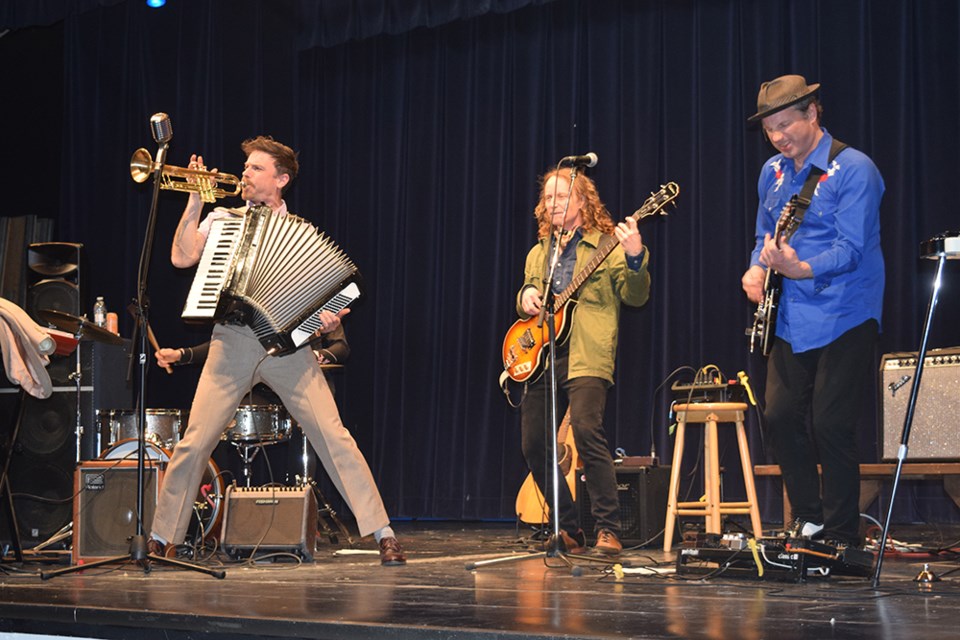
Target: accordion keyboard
x,y
213,269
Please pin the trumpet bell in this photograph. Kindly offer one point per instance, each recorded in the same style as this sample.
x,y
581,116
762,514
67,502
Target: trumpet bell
x,y
140,165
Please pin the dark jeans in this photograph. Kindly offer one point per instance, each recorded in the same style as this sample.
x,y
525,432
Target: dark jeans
x,y
825,385
587,399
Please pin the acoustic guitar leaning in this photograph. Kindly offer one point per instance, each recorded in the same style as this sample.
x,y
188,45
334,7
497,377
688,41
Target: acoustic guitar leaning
x,y
532,508
524,346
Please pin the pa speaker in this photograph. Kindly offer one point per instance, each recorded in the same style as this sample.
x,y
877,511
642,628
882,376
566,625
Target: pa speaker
x,y
642,493
934,432
105,506
53,278
270,519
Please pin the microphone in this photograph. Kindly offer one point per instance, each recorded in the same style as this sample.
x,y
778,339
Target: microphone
x,y
588,160
161,128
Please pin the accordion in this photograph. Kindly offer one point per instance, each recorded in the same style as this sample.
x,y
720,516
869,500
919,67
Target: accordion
x,y
274,273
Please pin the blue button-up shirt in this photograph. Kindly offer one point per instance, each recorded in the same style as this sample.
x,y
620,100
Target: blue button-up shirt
x,y
839,238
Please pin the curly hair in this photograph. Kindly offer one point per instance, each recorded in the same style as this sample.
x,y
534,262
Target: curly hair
x,y
594,214
284,158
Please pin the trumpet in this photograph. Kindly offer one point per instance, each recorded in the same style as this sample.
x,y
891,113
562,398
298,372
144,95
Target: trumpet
x,y
205,183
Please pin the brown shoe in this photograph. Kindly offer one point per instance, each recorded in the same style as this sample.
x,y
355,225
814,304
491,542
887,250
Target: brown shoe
x,y
574,543
157,548
607,543
391,553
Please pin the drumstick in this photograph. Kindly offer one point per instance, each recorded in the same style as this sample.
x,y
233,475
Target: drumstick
x,y
132,308
153,342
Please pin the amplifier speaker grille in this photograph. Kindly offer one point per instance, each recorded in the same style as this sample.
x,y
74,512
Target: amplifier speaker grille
x,y
105,507
935,430
270,519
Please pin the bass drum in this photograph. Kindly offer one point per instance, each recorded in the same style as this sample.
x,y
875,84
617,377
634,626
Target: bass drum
x,y
208,508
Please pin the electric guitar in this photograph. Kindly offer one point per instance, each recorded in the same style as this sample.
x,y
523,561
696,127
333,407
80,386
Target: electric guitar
x,y
531,506
524,352
764,326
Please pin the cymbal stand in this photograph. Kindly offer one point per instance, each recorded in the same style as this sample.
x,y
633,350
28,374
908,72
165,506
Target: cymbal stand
x,y
908,417
162,133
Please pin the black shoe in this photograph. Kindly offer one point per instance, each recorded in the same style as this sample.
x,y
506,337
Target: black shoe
x,y
805,529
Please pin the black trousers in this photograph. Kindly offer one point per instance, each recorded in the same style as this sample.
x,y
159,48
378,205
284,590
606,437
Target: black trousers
x,y
824,388
587,399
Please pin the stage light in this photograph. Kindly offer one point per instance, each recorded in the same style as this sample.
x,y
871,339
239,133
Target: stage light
x,y
156,4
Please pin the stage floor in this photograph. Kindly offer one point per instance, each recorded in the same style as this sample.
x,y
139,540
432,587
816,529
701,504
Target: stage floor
x,y
435,596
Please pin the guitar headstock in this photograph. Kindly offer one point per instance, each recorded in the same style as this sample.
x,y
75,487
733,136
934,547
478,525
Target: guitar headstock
x,y
787,223
657,201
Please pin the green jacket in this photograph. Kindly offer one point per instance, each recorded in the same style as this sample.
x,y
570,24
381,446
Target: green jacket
x,y
596,316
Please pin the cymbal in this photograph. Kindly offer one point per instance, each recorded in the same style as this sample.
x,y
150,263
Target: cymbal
x,y
80,327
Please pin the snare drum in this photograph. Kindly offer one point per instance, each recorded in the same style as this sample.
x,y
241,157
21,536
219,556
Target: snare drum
x,y
209,497
259,423
163,426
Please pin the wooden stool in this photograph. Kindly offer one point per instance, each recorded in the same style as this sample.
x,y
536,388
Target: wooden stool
x,y
710,414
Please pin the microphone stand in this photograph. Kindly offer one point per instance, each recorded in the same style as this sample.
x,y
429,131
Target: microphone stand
x,y
547,314
138,543
908,417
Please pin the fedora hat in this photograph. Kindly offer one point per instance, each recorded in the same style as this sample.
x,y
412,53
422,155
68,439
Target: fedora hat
x,y
780,93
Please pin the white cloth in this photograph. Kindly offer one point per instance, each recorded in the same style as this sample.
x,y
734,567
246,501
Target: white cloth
x,y
25,346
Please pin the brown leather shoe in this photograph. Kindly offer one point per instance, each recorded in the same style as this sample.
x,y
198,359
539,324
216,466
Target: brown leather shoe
x,y
574,543
607,543
391,553
157,548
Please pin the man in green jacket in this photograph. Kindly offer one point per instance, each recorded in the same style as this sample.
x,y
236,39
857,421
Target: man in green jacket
x,y
577,219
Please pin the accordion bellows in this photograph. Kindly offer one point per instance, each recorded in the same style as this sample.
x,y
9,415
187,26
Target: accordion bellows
x,y
273,272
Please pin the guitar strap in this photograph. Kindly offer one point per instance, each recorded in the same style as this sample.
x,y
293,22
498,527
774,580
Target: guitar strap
x,y
806,193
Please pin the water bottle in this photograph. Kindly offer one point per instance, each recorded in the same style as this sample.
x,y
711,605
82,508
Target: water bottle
x,y
100,312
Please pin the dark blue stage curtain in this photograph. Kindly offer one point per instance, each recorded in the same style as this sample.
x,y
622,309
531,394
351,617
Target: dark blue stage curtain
x,y
422,128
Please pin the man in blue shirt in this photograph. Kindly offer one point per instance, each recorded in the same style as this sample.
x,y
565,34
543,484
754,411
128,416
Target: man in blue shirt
x,y
829,312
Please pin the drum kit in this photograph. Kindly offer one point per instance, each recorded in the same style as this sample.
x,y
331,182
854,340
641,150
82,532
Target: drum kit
x,y
253,427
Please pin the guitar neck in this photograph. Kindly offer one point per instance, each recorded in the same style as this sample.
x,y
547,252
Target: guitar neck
x,y
654,204
607,245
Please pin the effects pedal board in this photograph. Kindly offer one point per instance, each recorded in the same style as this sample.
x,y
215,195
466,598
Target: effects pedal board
x,y
780,559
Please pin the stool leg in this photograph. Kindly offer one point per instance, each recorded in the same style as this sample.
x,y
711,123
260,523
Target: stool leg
x,y
711,477
748,480
674,487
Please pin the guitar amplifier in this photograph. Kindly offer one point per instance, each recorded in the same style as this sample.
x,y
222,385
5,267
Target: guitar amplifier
x,y
642,493
270,520
105,506
934,432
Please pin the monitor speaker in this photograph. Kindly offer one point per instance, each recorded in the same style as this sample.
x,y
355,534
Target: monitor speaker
x,y
105,506
269,520
642,493
934,432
